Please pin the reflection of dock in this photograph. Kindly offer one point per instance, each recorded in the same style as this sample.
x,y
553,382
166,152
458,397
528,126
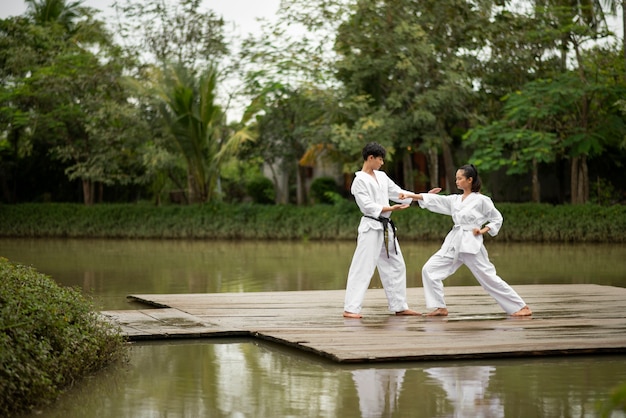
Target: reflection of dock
x,y
568,319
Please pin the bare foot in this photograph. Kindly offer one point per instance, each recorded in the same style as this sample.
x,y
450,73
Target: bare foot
x,y
525,311
438,312
408,312
347,314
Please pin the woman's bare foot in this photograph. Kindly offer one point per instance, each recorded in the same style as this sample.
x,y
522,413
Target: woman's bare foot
x,y
438,312
525,311
347,314
408,312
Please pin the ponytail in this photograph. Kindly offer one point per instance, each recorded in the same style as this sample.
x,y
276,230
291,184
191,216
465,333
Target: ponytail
x,y
470,171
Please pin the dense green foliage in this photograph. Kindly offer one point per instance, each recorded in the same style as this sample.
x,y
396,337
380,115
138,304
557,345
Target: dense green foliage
x,y
49,337
531,88
261,190
323,188
528,222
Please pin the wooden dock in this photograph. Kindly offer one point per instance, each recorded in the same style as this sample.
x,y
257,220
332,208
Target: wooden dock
x,y
567,320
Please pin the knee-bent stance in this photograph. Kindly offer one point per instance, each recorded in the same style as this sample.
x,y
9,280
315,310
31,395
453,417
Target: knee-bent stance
x,y
438,268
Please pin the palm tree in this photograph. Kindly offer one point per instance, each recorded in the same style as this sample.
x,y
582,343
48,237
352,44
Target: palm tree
x,y
61,12
197,124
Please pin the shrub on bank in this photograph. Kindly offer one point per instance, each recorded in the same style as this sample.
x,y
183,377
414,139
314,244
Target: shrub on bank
x,y
528,222
50,336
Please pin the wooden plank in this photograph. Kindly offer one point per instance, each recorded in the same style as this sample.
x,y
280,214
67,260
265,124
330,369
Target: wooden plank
x,y
568,319
165,323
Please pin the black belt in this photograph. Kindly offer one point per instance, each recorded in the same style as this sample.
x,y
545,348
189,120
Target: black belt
x,y
386,221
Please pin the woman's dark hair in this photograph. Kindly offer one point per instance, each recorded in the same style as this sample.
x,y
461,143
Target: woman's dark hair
x,y
374,149
470,171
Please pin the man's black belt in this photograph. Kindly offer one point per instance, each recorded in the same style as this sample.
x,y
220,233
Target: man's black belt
x,y
386,221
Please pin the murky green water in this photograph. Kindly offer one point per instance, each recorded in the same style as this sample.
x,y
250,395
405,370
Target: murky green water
x,y
248,378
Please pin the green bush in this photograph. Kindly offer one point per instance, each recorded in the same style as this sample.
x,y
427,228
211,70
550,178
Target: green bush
x,y
261,190
527,222
322,188
49,337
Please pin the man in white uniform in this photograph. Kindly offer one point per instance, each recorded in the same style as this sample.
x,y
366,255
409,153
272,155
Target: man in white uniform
x,y
377,246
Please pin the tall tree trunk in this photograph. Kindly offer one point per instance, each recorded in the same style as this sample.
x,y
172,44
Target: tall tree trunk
x,y
448,165
281,188
407,169
198,192
585,179
580,180
433,166
301,197
191,186
88,192
574,180
536,193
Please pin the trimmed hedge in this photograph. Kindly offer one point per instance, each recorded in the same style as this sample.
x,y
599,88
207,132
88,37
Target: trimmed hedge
x,y
49,337
526,222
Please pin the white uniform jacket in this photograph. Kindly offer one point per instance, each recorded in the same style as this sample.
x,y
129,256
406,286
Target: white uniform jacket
x,y
476,211
372,195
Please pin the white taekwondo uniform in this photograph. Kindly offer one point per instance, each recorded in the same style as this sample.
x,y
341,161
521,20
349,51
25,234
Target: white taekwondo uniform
x,y
371,196
461,246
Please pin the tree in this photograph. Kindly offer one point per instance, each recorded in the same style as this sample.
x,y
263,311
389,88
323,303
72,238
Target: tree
x,y
82,114
196,123
23,47
163,33
288,78
522,139
289,126
60,12
65,98
183,51
577,23
539,61
555,118
410,61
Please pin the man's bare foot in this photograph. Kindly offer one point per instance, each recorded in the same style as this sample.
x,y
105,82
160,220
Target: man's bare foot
x,y
525,311
438,312
347,314
408,312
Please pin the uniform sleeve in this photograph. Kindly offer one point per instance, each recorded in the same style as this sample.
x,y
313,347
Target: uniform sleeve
x,y
394,191
364,200
493,216
436,203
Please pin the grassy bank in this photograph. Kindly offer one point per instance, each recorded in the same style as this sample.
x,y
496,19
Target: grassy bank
x,y
522,222
49,337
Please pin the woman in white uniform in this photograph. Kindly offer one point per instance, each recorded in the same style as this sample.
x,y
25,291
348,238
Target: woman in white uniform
x,y
474,214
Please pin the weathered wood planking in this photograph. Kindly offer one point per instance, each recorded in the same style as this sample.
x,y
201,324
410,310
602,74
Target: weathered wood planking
x,y
568,319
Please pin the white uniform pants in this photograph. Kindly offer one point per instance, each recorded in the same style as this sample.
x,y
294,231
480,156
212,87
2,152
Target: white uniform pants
x,y
370,254
438,268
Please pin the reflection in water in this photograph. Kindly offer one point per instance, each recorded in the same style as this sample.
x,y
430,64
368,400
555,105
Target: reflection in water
x,y
378,391
466,390
238,378
223,378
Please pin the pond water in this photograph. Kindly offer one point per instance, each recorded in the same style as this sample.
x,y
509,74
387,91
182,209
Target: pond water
x,y
249,378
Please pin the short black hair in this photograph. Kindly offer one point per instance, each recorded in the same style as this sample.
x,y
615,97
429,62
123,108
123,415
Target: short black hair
x,y
374,149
